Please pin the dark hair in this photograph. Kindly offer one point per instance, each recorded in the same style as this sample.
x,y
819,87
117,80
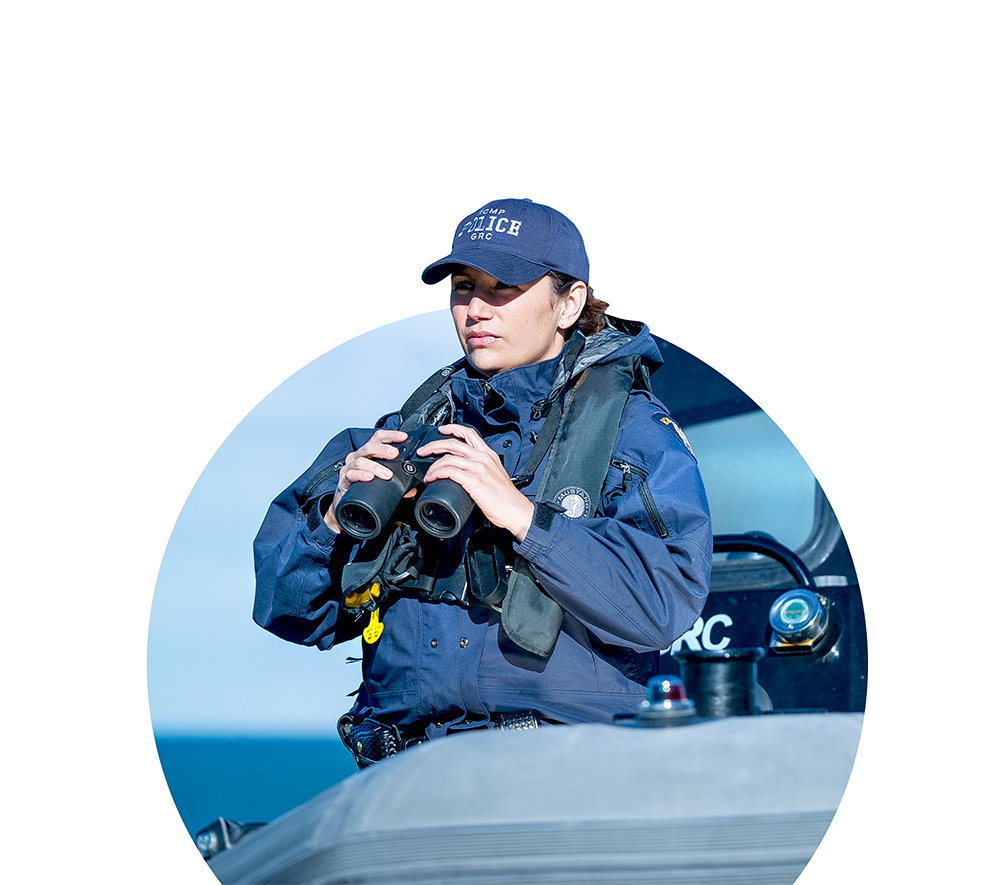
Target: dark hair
x,y
592,317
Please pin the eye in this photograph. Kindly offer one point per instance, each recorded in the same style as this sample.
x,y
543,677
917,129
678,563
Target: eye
x,y
506,291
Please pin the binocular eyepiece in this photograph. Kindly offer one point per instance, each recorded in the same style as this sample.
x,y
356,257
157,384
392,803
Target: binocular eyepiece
x,y
441,509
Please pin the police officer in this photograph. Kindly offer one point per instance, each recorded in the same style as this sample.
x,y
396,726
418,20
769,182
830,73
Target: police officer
x,y
589,547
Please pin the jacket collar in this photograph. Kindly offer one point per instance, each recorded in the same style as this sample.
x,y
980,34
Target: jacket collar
x,y
511,394
508,395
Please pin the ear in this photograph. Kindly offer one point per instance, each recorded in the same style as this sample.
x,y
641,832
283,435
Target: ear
x,y
571,304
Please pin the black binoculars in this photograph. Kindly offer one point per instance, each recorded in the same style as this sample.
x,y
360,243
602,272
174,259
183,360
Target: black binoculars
x,y
441,509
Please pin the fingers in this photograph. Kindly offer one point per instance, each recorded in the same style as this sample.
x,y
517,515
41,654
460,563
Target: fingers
x,y
467,434
467,460
482,475
462,456
458,440
366,463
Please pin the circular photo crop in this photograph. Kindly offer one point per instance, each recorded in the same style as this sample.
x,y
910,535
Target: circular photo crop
x,y
290,750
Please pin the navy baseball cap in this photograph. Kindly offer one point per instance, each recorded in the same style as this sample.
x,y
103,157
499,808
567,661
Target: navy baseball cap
x,y
515,241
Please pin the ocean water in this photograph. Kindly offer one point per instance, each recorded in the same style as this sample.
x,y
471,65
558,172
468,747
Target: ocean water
x,y
248,779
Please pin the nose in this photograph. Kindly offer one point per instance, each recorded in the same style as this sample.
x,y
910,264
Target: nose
x,y
479,306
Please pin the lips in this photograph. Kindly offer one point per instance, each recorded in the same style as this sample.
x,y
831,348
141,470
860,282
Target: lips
x,y
478,339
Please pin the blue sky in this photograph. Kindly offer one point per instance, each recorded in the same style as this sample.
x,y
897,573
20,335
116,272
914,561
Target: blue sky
x,y
211,669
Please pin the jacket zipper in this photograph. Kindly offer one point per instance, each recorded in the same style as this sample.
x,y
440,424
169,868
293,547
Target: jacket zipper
x,y
628,472
320,478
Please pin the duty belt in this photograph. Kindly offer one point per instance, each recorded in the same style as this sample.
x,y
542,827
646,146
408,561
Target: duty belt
x,y
370,741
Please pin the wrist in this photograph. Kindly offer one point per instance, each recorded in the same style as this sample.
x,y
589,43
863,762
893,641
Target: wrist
x,y
327,506
521,519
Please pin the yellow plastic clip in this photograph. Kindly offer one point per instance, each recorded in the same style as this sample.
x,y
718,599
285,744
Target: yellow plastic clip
x,y
372,632
363,598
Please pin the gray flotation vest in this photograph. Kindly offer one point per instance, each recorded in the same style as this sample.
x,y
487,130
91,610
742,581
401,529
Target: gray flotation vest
x,y
585,409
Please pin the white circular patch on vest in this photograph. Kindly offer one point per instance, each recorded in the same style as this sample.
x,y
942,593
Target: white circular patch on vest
x,y
575,500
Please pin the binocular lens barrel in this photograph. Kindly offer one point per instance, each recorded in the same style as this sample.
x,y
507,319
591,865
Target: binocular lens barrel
x,y
358,521
436,519
441,509
366,507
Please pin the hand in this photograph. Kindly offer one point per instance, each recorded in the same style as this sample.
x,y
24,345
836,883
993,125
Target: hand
x,y
471,463
364,465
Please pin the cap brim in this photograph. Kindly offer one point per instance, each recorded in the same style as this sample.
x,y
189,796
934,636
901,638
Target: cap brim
x,y
510,269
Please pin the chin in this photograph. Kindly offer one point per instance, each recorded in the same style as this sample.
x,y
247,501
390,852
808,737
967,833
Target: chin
x,y
484,363
484,367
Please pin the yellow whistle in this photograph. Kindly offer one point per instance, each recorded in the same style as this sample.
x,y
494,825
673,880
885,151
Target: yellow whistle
x,y
374,629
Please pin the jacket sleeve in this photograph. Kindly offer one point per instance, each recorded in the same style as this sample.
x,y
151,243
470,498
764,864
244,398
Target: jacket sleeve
x,y
637,573
298,559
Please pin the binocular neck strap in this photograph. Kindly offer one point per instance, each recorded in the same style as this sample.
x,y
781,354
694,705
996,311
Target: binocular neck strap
x,y
418,407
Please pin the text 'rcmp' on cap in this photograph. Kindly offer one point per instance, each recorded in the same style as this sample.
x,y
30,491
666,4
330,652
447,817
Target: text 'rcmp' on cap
x,y
514,241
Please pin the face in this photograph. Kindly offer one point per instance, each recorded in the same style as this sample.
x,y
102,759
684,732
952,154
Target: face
x,y
502,326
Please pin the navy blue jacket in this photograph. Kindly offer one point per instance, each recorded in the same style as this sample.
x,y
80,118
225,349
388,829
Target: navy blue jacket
x,y
631,579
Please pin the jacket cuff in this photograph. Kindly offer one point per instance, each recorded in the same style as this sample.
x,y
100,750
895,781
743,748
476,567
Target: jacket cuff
x,y
318,532
539,541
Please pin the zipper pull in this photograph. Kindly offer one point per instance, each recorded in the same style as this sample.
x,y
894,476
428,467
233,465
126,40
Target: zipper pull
x,y
626,470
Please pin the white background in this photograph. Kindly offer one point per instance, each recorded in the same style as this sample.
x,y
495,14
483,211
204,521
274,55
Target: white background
x,y
200,198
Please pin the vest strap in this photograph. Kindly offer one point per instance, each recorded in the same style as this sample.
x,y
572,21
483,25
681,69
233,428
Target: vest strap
x,y
579,458
554,417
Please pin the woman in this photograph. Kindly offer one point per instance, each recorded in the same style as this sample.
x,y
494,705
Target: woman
x,y
589,548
